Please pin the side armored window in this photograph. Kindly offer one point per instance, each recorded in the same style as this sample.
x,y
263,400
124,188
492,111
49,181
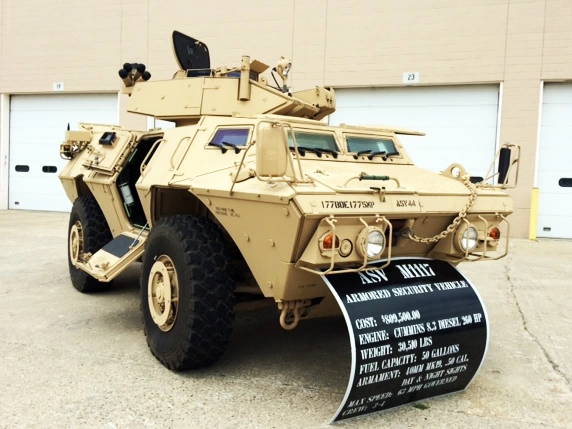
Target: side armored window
x,y
235,137
371,144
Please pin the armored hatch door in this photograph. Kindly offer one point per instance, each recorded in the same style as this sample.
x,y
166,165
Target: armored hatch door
x,y
108,149
191,53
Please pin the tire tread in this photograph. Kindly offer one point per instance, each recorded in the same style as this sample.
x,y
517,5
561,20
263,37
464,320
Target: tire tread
x,y
208,326
96,234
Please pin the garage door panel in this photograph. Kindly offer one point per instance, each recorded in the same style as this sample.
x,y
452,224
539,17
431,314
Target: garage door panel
x,y
462,95
555,138
552,113
37,127
25,125
449,117
549,199
554,226
37,201
61,102
460,121
555,162
548,180
557,93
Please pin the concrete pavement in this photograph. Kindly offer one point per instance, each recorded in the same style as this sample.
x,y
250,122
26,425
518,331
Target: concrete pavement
x,y
73,360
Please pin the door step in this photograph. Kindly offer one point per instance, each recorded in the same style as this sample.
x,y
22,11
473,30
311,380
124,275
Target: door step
x,y
113,258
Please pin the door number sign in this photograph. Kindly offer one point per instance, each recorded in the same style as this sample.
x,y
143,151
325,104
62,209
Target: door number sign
x,y
409,78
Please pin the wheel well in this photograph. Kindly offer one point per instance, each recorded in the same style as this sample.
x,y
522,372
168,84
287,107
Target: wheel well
x,y
169,202
81,187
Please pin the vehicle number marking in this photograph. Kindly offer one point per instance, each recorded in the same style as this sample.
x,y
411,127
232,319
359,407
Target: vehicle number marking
x,y
406,203
347,204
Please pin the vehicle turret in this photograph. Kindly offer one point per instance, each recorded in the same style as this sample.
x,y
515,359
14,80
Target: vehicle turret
x,y
197,89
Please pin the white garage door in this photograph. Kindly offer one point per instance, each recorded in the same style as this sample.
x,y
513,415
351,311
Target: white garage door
x,y
460,121
555,162
37,127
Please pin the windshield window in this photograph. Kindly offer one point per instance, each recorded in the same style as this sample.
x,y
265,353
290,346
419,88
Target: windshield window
x,y
373,144
313,141
230,136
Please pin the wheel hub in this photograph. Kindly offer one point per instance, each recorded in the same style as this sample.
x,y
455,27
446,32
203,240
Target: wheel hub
x,y
163,293
76,242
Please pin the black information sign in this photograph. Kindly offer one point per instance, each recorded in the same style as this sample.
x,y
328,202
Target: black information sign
x,y
417,329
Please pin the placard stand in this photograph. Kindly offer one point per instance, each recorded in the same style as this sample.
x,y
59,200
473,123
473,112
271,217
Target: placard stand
x,y
417,328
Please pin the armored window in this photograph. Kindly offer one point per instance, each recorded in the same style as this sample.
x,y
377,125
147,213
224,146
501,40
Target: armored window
x,y
230,137
371,144
319,141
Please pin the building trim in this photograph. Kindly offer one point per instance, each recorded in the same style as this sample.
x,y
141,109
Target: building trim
x,y
494,162
4,149
538,131
535,192
423,84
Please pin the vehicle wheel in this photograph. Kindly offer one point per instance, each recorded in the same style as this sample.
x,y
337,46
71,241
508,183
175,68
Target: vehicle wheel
x,y
87,233
187,293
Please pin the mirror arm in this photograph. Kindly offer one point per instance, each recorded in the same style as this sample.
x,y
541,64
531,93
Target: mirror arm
x,y
296,150
234,179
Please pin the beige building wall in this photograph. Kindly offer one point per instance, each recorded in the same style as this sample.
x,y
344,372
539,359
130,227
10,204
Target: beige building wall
x,y
342,43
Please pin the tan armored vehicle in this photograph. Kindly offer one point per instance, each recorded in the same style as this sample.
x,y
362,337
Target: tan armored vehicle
x,y
253,197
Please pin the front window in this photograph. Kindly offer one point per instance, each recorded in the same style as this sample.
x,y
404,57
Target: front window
x,y
371,145
314,141
230,137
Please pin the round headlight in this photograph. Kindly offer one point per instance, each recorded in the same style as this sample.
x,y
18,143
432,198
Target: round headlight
x,y
375,243
371,242
469,238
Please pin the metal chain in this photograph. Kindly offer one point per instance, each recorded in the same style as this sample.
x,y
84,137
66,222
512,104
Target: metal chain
x,y
453,225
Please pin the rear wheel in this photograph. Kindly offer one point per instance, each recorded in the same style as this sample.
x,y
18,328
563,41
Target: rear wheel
x,y
187,293
87,233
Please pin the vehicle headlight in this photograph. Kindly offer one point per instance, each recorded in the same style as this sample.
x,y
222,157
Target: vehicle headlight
x,y
469,238
372,242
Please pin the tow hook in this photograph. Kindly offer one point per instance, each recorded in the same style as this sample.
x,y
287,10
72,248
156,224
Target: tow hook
x,y
291,312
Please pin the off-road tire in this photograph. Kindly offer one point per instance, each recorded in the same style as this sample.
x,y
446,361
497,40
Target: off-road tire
x,y
205,312
96,234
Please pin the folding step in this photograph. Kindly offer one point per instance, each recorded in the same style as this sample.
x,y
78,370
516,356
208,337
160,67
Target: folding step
x,y
115,256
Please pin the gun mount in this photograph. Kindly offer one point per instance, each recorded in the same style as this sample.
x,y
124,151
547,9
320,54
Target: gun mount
x,y
197,89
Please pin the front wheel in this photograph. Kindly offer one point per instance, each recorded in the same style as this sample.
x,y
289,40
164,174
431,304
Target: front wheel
x,y
187,294
87,233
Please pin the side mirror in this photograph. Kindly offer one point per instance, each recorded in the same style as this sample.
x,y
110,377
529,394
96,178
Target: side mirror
x,y
504,164
272,153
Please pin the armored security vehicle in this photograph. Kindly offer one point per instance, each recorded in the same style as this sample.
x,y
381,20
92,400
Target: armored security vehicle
x,y
252,197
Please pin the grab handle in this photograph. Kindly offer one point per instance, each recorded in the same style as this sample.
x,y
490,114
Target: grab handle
x,y
148,156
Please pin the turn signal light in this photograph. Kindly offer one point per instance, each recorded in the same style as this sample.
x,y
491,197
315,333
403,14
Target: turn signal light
x,y
328,241
494,233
